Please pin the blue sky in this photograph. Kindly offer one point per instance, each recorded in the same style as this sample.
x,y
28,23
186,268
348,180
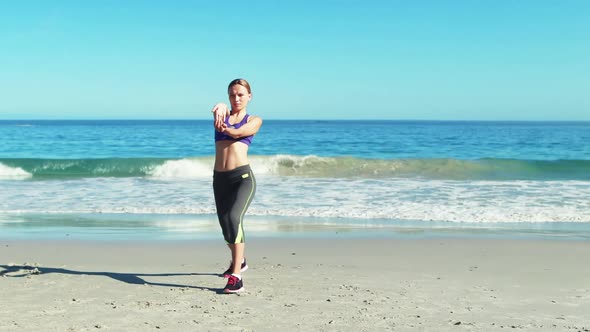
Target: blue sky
x,y
439,60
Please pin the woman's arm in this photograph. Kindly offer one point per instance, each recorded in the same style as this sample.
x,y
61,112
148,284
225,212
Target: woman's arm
x,y
220,112
248,129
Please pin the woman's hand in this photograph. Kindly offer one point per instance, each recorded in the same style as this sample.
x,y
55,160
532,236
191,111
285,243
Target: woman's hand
x,y
220,112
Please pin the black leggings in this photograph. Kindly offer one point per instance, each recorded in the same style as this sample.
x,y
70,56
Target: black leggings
x,y
233,190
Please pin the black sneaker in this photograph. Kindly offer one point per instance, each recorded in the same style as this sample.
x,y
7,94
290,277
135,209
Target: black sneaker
x,y
229,270
234,285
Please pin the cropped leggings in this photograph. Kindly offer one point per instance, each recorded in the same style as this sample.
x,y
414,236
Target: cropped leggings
x,y
233,190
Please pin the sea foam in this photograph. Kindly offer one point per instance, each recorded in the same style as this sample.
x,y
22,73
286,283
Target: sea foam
x,y
13,173
182,169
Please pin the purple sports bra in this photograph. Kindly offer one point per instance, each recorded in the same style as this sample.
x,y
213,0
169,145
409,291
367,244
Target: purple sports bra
x,y
224,137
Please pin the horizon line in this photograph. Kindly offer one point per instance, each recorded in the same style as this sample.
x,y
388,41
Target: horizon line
x,y
389,120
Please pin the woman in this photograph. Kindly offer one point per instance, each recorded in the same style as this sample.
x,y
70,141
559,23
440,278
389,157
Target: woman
x,y
233,181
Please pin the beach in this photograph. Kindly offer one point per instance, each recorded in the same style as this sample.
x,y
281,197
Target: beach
x,y
456,226
322,284
389,165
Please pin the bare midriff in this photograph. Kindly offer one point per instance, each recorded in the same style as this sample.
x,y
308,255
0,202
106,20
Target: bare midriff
x,y
229,155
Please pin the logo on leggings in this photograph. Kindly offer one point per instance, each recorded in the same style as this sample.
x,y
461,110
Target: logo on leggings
x,y
245,175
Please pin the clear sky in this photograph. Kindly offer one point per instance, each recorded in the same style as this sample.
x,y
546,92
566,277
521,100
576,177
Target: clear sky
x,y
438,60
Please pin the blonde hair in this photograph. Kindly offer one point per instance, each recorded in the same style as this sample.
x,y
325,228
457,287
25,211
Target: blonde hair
x,y
239,81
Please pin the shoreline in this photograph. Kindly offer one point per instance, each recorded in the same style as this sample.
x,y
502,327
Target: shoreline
x,y
188,227
362,284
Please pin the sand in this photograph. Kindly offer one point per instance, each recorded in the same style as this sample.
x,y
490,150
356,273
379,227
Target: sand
x,y
349,284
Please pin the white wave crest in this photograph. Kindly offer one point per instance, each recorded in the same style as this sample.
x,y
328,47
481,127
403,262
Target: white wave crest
x,y
182,169
261,165
284,164
13,173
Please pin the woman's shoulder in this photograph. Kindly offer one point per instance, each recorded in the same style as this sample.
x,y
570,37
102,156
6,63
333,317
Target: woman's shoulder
x,y
253,117
255,120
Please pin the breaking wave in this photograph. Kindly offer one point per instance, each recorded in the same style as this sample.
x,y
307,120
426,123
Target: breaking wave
x,y
302,166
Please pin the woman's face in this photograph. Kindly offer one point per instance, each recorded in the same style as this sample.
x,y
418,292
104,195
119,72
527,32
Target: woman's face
x,y
239,97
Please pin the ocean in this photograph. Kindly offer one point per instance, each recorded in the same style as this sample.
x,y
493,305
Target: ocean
x,y
152,179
